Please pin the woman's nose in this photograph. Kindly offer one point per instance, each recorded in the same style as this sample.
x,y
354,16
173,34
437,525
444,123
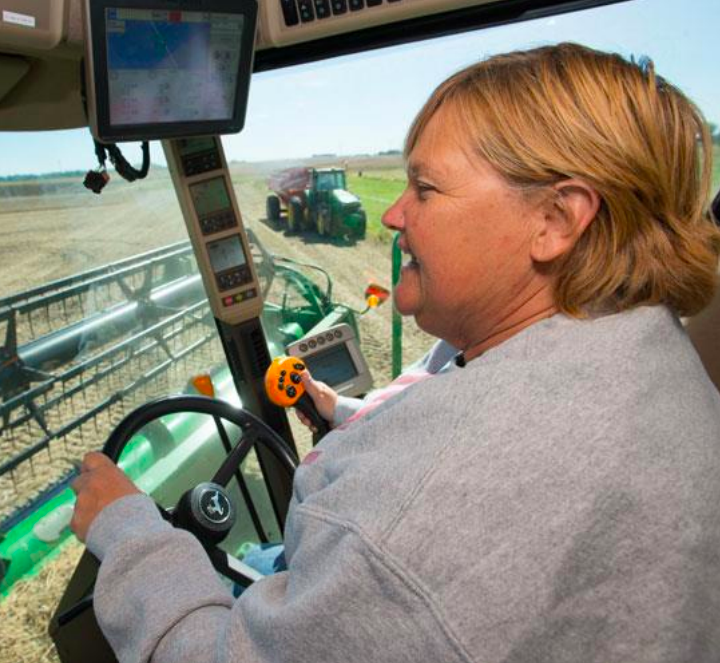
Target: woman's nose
x,y
394,217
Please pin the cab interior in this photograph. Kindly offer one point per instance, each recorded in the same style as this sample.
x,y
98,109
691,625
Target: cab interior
x,y
335,84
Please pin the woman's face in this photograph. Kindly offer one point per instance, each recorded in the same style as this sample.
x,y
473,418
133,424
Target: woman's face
x,y
468,235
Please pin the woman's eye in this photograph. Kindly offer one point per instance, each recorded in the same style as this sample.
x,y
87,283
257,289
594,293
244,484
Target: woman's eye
x,y
423,190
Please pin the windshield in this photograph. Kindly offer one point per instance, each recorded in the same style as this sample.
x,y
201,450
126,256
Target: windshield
x,y
101,305
330,181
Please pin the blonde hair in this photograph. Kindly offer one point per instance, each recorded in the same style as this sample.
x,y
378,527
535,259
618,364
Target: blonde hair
x,y
556,112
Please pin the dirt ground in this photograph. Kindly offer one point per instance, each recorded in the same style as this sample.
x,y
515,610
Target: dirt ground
x,y
52,237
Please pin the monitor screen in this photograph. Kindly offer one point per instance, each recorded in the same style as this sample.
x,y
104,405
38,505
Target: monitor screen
x,y
192,146
226,254
155,71
210,196
332,366
171,66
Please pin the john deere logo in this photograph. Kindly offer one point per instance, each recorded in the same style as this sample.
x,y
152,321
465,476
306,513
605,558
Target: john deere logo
x,y
215,506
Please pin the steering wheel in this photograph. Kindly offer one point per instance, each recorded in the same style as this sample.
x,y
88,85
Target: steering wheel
x,y
206,510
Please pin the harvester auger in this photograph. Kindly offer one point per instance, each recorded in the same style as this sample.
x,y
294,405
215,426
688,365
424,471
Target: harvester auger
x,y
83,351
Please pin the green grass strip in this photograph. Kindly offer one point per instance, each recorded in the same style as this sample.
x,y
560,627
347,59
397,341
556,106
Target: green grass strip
x,y
378,191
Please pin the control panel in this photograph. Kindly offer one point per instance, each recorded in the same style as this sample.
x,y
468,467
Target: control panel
x,y
284,22
204,188
283,381
333,356
284,387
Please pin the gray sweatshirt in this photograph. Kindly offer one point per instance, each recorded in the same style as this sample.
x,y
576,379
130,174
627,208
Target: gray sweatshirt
x,y
556,500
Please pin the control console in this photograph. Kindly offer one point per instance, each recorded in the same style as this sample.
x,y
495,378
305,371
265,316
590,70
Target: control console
x,y
333,356
216,231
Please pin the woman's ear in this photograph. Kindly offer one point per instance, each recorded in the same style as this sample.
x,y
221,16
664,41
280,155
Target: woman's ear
x,y
570,209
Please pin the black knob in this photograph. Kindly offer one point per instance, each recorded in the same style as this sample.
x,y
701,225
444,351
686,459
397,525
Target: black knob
x,y
206,511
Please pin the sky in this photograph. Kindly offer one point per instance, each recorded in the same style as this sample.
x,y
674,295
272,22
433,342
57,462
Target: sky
x,y
365,103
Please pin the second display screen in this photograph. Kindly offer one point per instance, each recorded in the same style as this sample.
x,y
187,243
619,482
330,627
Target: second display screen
x,y
210,196
226,254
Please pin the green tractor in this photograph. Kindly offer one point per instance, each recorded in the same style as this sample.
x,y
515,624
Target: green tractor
x,y
316,199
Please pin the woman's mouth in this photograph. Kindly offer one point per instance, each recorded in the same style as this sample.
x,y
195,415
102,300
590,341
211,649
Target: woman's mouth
x,y
409,259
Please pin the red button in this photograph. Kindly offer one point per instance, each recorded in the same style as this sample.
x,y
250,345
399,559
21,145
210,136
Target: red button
x,y
228,301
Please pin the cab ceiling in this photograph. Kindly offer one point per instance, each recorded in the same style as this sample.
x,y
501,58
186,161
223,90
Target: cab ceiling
x,y
40,77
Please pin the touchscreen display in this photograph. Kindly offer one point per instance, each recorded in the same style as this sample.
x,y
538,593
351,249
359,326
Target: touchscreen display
x,y
171,66
210,196
226,254
332,366
191,146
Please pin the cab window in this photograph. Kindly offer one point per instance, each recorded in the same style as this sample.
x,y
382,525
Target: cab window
x,y
100,295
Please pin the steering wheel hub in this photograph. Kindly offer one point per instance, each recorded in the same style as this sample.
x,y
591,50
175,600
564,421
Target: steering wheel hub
x,y
214,506
206,511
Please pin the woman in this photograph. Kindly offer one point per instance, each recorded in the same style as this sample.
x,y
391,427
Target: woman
x,y
544,485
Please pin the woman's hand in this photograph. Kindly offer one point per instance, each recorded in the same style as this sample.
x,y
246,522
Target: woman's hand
x,y
324,397
100,483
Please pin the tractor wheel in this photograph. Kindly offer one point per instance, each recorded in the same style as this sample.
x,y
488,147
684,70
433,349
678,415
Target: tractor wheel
x,y
309,219
362,226
272,209
323,223
295,215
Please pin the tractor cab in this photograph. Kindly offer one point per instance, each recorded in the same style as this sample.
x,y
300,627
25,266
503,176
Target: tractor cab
x,y
189,190
329,179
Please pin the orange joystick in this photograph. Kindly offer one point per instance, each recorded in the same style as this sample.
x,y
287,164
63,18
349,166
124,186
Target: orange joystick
x,y
284,387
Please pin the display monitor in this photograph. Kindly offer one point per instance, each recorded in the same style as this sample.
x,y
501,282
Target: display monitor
x,y
156,71
190,147
332,366
210,196
226,254
333,355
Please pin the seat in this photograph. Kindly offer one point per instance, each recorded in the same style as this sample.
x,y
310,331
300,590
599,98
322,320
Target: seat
x,y
704,329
